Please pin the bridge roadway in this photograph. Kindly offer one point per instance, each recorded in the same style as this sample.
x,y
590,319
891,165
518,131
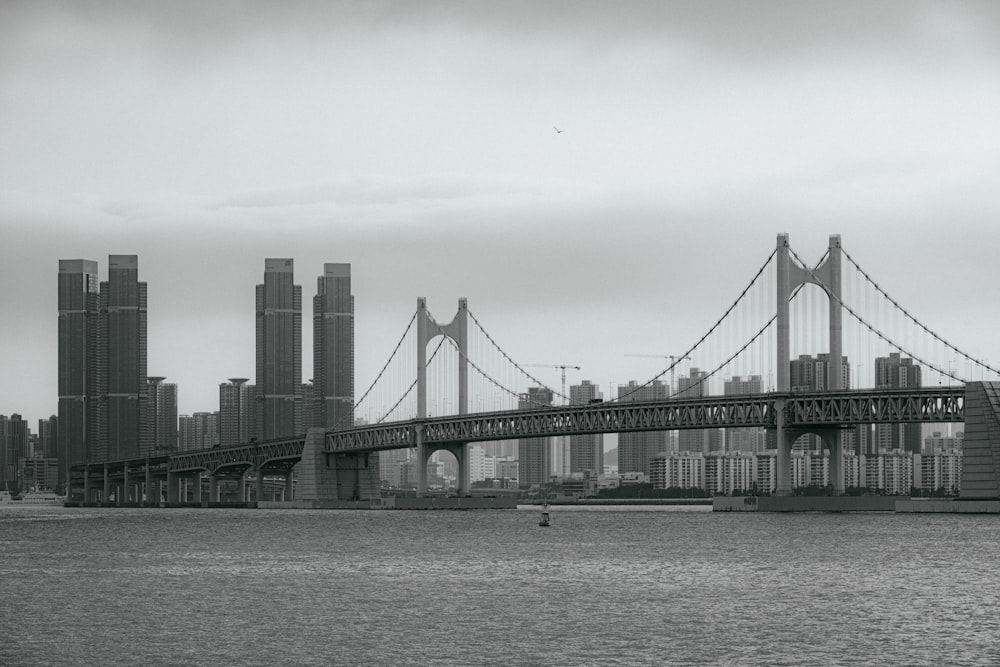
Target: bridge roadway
x,y
795,410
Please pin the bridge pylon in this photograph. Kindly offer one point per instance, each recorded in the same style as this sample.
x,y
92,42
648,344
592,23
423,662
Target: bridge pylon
x,y
458,331
790,276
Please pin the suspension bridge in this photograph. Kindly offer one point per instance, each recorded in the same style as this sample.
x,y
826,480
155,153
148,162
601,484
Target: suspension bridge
x,y
776,318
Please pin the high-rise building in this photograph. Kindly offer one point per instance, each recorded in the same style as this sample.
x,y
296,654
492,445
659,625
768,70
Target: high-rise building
x,y
586,452
637,449
161,415
534,455
237,412
751,440
48,436
13,448
122,361
894,372
79,328
333,347
198,431
279,349
695,385
813,374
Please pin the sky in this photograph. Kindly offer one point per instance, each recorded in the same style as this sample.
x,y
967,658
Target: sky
x,y
416,141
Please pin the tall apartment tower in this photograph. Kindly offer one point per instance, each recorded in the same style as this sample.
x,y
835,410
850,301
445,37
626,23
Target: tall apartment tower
x,y
161,415
333,348
14,438
122,361
79,405
586,452
279,349
695,385
895,372
237,412
813,374
534,454
750,440
636,449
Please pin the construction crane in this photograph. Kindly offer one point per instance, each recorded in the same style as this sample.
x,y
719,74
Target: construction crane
x,y
561,367
673,359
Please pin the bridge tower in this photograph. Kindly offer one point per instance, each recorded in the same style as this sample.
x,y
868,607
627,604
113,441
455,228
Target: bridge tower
x,y
789,277
458,331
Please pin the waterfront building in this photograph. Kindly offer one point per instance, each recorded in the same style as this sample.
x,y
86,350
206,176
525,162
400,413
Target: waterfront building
x,y
78,382
853,469
14,434
890,472
637,449
586,452
940,471
534,454
38,471
896,372
728,472
683,470
506,468
122,362
161,416
237,412
766,475
333,347
279,349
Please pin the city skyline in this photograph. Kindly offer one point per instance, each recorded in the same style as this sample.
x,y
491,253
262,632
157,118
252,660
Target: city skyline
x,y
681,157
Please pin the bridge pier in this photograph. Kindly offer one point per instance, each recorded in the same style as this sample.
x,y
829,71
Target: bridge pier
x,y
106,491
288,486
259,486
196,489
86,485
213,488
124,498
172,487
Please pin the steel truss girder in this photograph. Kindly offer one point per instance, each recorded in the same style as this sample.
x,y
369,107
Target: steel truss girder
x,y
843,408
876,407
256,456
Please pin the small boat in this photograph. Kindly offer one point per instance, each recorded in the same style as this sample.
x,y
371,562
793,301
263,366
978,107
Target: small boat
x,y
544,521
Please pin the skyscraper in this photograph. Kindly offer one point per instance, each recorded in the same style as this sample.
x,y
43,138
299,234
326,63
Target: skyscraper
x,y
13,447
122,361
333,348
237,412
695,385
636,449
161,416
533,454
586,452
79,327
279,349
895,372
751,440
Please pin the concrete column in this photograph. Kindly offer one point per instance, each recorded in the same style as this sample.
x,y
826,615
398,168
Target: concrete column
x,y
213,488
149,483
242,486
259,486
86,484
836,463
783,286
107,485
421,453
172,487
196,488
288,486
124,495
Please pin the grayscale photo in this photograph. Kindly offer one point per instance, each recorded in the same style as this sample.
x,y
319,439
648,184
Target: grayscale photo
x,y
524,333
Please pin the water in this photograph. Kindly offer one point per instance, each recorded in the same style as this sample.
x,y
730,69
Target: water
x,y
609,586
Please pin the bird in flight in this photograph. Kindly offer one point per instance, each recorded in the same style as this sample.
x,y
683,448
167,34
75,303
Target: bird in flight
x,y
558,131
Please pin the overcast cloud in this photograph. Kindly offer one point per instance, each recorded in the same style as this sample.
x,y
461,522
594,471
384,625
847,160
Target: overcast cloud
x,y
415,140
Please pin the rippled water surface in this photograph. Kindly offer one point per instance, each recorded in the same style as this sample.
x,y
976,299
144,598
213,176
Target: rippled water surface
x,y
609,587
